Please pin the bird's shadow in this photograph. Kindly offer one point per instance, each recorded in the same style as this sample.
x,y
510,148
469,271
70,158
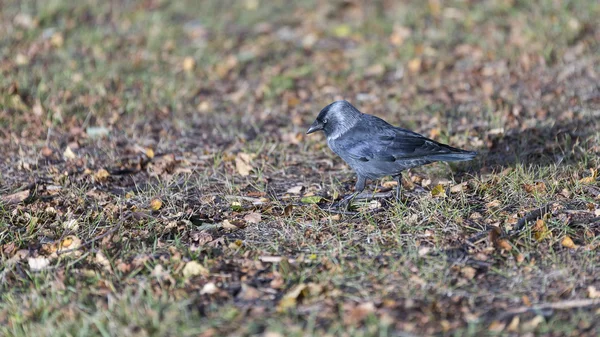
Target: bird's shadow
x,y
562,143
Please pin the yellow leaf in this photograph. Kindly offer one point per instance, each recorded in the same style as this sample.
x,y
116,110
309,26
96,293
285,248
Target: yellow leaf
x,y
591,179
194,268
102,174
290,299
189,64
438,191
540,230
414,65
149,153
155,204
342,31
57,40
313,199
568,242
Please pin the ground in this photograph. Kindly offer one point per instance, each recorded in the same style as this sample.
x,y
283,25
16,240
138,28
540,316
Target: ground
x,y
155,178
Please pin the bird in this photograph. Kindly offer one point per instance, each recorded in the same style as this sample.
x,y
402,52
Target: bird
x,y
373,148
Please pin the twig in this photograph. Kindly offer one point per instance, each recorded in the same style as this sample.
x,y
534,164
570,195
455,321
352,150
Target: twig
x,y
99,237
562,305
529,217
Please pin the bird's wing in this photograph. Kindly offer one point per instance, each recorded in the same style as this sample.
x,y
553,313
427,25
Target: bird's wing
x,y
385,143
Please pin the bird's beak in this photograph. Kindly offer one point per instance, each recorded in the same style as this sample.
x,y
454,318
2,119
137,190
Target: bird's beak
x,y
316,126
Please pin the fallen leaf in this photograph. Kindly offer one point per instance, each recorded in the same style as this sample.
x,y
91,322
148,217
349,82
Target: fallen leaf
x,y
359,313
189,64
295,190
532,324
38,263
540,230
69,154
590,179
47,152
514,324
253,217
209,289
504,244
228,225
496,326
101,175
155,204
72,224
414,65
248,293
568,242
242,163
291,298
103,261
468,272
438,191
593,292
15,198
537,187
313,199
57,40
194,268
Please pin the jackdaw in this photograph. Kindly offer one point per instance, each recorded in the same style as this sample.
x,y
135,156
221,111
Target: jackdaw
x,y
374,148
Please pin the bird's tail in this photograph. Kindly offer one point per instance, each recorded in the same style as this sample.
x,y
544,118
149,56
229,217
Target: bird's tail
x,y
459,155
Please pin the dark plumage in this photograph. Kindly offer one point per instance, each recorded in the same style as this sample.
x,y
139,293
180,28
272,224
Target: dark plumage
x,y
374,148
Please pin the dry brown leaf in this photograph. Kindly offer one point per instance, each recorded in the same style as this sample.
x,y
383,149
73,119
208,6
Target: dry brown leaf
x,y
101,175
295,190
253,217
248,293
497,326
468,272
504,244
228,225
243,163
15,198
103,261
537,187
359,313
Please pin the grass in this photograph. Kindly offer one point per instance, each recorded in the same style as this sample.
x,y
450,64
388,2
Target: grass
x,y
195,213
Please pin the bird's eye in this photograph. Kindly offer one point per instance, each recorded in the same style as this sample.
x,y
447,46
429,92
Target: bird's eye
x,y
325,121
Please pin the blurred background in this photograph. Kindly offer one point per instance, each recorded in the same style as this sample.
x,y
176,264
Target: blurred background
x,y
222,71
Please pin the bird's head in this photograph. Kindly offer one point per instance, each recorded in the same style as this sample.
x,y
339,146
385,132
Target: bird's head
x,y
335,118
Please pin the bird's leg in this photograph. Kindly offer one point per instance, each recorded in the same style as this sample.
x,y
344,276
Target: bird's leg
x,y
359,187
398,186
